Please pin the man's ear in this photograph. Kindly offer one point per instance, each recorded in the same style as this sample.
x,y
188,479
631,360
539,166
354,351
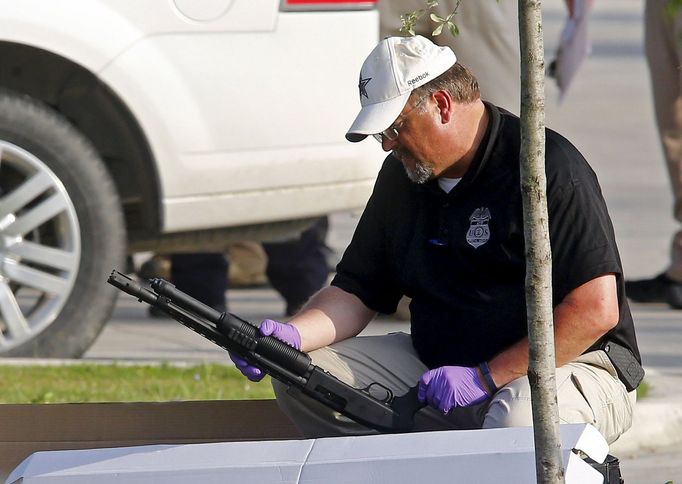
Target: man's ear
x,y
444,104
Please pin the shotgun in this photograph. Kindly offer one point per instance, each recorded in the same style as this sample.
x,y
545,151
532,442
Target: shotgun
x,y
374,406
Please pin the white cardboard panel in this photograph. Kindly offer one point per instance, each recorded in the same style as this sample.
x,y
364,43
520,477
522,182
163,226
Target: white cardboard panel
x,y
481,456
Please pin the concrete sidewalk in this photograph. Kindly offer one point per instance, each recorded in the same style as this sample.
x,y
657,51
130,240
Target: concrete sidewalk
x,y
658,417
657,421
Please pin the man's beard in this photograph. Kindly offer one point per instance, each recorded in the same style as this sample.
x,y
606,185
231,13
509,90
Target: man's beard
x,y
421,172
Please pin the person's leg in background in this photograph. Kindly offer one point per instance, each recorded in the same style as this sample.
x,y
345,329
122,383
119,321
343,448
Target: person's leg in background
x,y
662,33
203,276
247,264
297,269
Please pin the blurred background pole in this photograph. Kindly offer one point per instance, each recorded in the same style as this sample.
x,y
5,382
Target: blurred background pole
x,y
541,363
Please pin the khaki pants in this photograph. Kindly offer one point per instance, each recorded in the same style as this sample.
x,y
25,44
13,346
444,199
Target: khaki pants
x,y
588,392
664,57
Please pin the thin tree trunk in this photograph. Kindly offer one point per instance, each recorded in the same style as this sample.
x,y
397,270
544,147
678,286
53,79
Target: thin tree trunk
x,y
541,365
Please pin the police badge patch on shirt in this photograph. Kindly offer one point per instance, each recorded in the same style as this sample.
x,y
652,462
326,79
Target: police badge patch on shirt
x,y
479,232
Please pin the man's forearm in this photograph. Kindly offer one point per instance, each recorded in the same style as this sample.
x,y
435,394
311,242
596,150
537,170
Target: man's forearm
x,y
583,317
331,315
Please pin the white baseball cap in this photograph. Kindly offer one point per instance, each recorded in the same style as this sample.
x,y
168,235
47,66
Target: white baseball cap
x,y
395,67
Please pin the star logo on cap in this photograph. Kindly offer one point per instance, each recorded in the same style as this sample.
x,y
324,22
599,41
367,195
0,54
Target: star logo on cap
x,y
363,86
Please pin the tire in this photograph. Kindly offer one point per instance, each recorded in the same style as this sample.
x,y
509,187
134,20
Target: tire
x,y
61,233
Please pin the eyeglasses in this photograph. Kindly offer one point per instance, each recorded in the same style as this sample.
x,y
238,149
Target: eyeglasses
x,y
391,133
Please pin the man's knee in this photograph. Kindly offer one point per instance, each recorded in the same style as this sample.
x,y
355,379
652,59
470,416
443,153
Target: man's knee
x,y
586,394
510,407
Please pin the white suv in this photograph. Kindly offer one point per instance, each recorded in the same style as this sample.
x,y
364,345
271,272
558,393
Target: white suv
x,y
163,125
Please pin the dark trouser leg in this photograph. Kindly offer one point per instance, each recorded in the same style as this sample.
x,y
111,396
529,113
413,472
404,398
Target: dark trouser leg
x,y
201,275
297,269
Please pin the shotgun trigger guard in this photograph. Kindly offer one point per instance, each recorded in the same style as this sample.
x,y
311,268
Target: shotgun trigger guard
x,y
388,398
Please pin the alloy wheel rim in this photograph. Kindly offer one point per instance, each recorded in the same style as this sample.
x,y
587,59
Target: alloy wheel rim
x,y
40,247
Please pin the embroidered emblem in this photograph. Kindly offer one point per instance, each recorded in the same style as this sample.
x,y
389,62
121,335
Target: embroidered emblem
x,y
363,86
479,232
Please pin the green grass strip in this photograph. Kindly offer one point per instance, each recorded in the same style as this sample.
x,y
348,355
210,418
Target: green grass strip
x,y
83,382
125,383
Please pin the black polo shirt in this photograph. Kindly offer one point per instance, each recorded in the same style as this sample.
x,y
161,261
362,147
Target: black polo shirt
x,y
460,255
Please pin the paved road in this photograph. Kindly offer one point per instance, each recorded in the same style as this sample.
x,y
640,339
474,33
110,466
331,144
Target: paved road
x,y
608,115
656,467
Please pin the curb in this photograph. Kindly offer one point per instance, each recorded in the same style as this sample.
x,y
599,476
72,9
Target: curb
x,y
657,420
655,425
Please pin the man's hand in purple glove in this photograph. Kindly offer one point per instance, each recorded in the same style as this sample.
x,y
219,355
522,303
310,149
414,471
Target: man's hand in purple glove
x,y
284,332
451,386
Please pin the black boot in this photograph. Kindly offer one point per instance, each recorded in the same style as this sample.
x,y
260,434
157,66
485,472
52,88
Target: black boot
x,y
659,289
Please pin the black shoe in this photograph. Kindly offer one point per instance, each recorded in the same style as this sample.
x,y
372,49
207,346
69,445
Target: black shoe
x,y
675,295
660,289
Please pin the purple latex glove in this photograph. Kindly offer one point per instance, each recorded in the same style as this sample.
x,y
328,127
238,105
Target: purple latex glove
x,y
284,332
451,386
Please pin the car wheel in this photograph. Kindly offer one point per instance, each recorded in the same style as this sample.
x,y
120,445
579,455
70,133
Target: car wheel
x,y
61,233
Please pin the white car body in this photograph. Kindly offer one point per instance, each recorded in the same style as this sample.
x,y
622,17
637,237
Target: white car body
x,y
165,125
245,112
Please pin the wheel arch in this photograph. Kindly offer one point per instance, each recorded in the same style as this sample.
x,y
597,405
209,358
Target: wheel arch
x,y
100,114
